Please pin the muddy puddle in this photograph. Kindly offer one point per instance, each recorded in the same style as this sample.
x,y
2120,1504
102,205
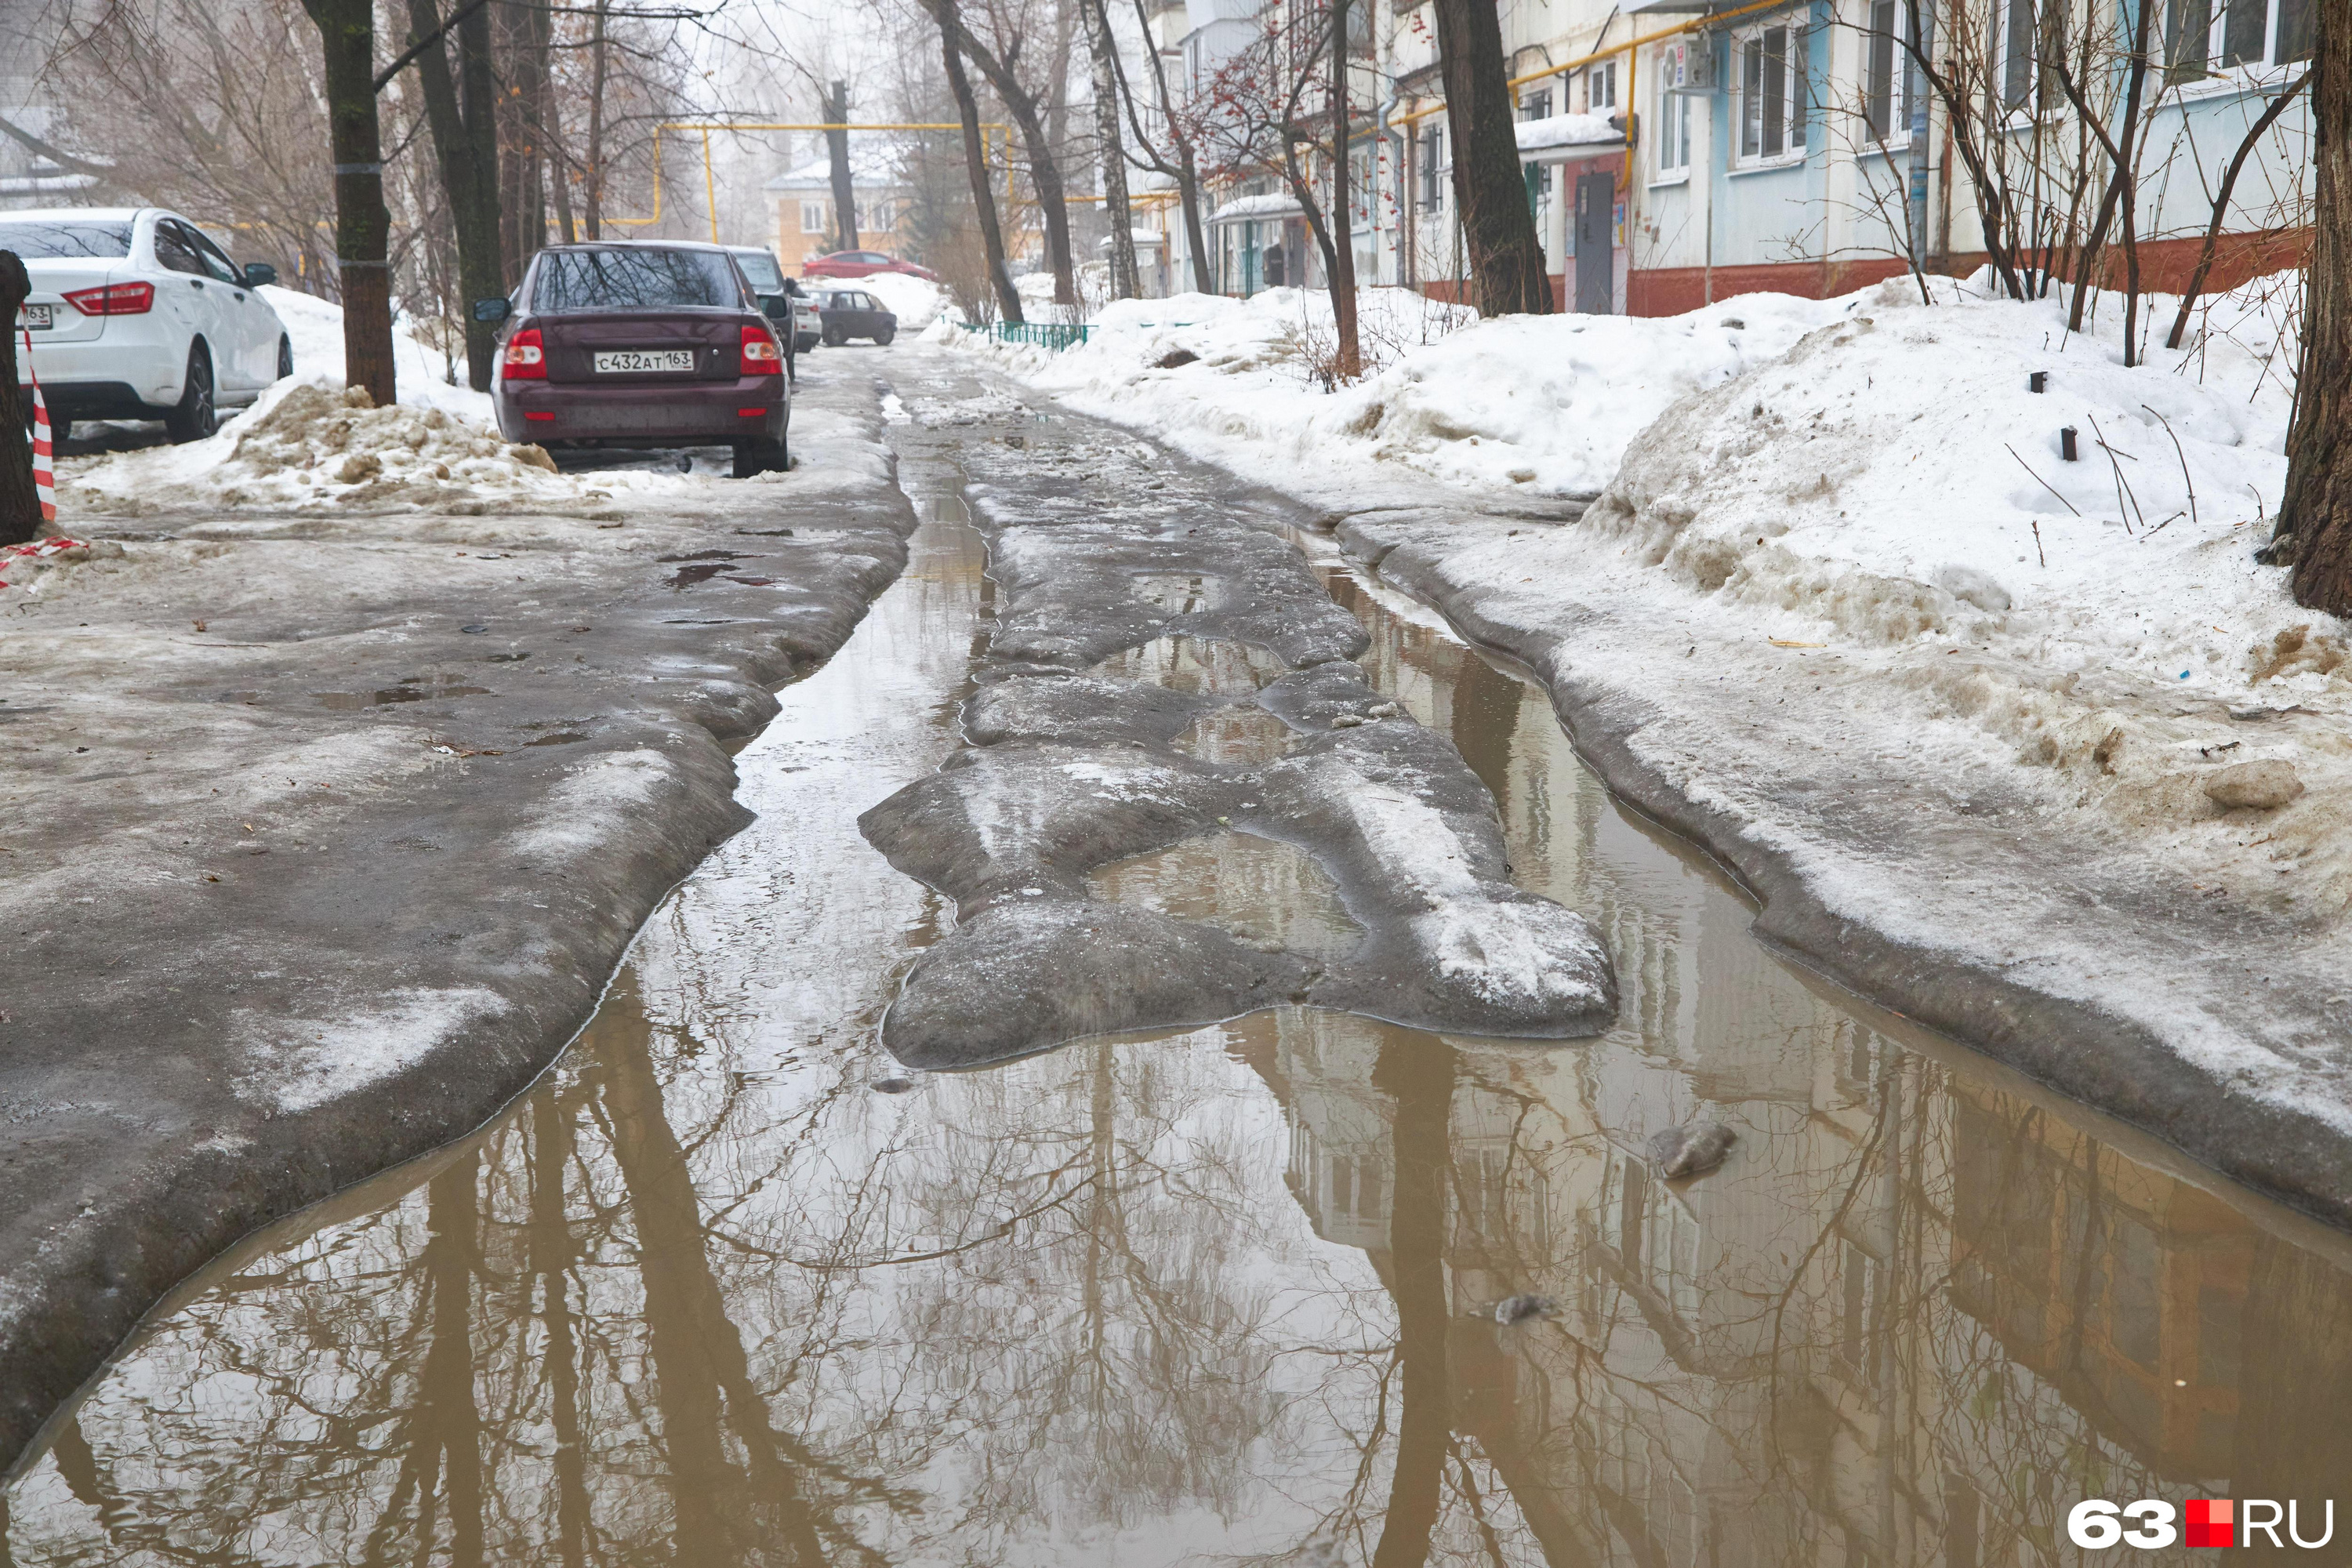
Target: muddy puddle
x,y
729,1286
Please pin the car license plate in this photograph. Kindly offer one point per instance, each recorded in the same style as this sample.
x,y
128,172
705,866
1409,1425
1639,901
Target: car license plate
x,y
38,317
624,360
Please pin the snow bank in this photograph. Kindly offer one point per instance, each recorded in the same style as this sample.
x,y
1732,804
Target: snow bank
x,y
915,302
1542,403
315,328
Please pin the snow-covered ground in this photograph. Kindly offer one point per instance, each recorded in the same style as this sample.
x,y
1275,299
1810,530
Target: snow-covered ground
x,y
1838,558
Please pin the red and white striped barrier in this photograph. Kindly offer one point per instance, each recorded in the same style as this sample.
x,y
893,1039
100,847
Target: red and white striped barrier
x,y
44,477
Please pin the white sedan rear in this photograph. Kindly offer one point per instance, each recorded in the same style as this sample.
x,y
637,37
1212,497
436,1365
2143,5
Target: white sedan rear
x,y
136,314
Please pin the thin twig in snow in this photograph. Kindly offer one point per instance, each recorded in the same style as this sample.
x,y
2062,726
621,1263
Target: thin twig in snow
x,y
2185,479
2160,527
2040,480
2037,541
2123,486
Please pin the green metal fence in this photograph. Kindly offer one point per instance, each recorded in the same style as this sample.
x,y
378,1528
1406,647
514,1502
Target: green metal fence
x,y
1054,336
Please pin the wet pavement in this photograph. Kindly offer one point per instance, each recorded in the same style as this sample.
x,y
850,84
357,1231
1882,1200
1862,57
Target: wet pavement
x,y
717,1291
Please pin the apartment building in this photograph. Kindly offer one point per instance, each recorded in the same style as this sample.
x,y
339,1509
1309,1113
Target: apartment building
x,y
1679,152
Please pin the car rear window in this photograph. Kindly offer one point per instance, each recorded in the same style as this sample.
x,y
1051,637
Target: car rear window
x,y
67,237
635,278
760,270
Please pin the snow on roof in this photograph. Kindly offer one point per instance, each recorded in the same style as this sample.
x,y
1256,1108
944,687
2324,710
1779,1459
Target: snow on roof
x,y
1143,236
1578,131
871,163
1273,204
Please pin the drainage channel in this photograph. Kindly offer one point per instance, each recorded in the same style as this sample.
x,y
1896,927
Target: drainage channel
x,y
730,1286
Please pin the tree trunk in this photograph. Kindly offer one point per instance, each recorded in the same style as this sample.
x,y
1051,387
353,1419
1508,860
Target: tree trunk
x,y
363,226
845,181
593,190
1342,270
1045,174
975,157
465,140
1506,264
1186,169
1125,284
20,505
2314,524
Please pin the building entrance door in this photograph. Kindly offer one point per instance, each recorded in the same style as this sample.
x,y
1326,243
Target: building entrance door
x,y
1596,257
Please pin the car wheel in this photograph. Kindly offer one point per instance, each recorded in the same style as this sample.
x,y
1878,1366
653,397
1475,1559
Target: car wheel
x,y
194,417
833,338
882,339
285,358
756,457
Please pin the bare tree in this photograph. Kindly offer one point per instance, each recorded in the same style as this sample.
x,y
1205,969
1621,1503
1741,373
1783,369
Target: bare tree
x,y
1506,264
1180,161
975,152
362,223
2314,522
1125,283
998,55
462,113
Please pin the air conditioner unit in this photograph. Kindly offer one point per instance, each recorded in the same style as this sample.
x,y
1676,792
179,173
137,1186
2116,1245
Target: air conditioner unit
x,y
1689,65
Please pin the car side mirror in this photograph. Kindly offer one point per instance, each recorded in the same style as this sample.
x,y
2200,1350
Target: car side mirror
x,y
792,287
776,307
257,273
493,310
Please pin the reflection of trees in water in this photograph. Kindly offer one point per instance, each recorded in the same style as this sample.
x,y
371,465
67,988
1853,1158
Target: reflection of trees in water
x,y
664,1313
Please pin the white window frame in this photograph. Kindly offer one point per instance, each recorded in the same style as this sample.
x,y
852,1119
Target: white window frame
x,y
1674,113
814,210
1903,79
1796,48
2268,70
1601,86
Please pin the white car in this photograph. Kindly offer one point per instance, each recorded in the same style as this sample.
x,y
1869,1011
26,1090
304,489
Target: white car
x,y
135,314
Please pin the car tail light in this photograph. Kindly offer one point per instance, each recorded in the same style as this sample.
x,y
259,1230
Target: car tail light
x,y
114,300
526,360
761,354
750,413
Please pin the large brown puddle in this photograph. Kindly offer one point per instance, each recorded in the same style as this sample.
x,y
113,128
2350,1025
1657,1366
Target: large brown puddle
x,y
710,1296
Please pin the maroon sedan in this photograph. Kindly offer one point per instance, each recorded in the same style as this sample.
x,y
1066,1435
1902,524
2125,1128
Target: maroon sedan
x,y
640,345
862,264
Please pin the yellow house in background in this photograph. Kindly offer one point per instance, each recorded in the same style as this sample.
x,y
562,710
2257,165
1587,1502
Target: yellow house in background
x,y
803,199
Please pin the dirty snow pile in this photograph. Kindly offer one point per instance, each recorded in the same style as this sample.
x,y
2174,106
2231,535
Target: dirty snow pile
x,y
315,328
1542,403
309,442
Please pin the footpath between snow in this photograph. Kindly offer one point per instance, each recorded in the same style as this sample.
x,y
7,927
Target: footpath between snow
x,y
344,762
2030,749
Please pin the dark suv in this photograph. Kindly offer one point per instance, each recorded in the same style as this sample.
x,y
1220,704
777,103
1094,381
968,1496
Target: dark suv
x,y
641,344
855,313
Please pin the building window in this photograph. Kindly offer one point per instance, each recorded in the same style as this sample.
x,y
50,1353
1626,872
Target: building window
x,y
1601,86
1535,105
2204,37
1772,94
1673,136
1886,76
813,217
1432,169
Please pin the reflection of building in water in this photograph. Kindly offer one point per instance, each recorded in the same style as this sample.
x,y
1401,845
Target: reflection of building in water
x,y
1912,1322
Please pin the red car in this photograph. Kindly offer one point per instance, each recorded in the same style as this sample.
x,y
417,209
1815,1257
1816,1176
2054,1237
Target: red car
x,y
862,264
637,344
